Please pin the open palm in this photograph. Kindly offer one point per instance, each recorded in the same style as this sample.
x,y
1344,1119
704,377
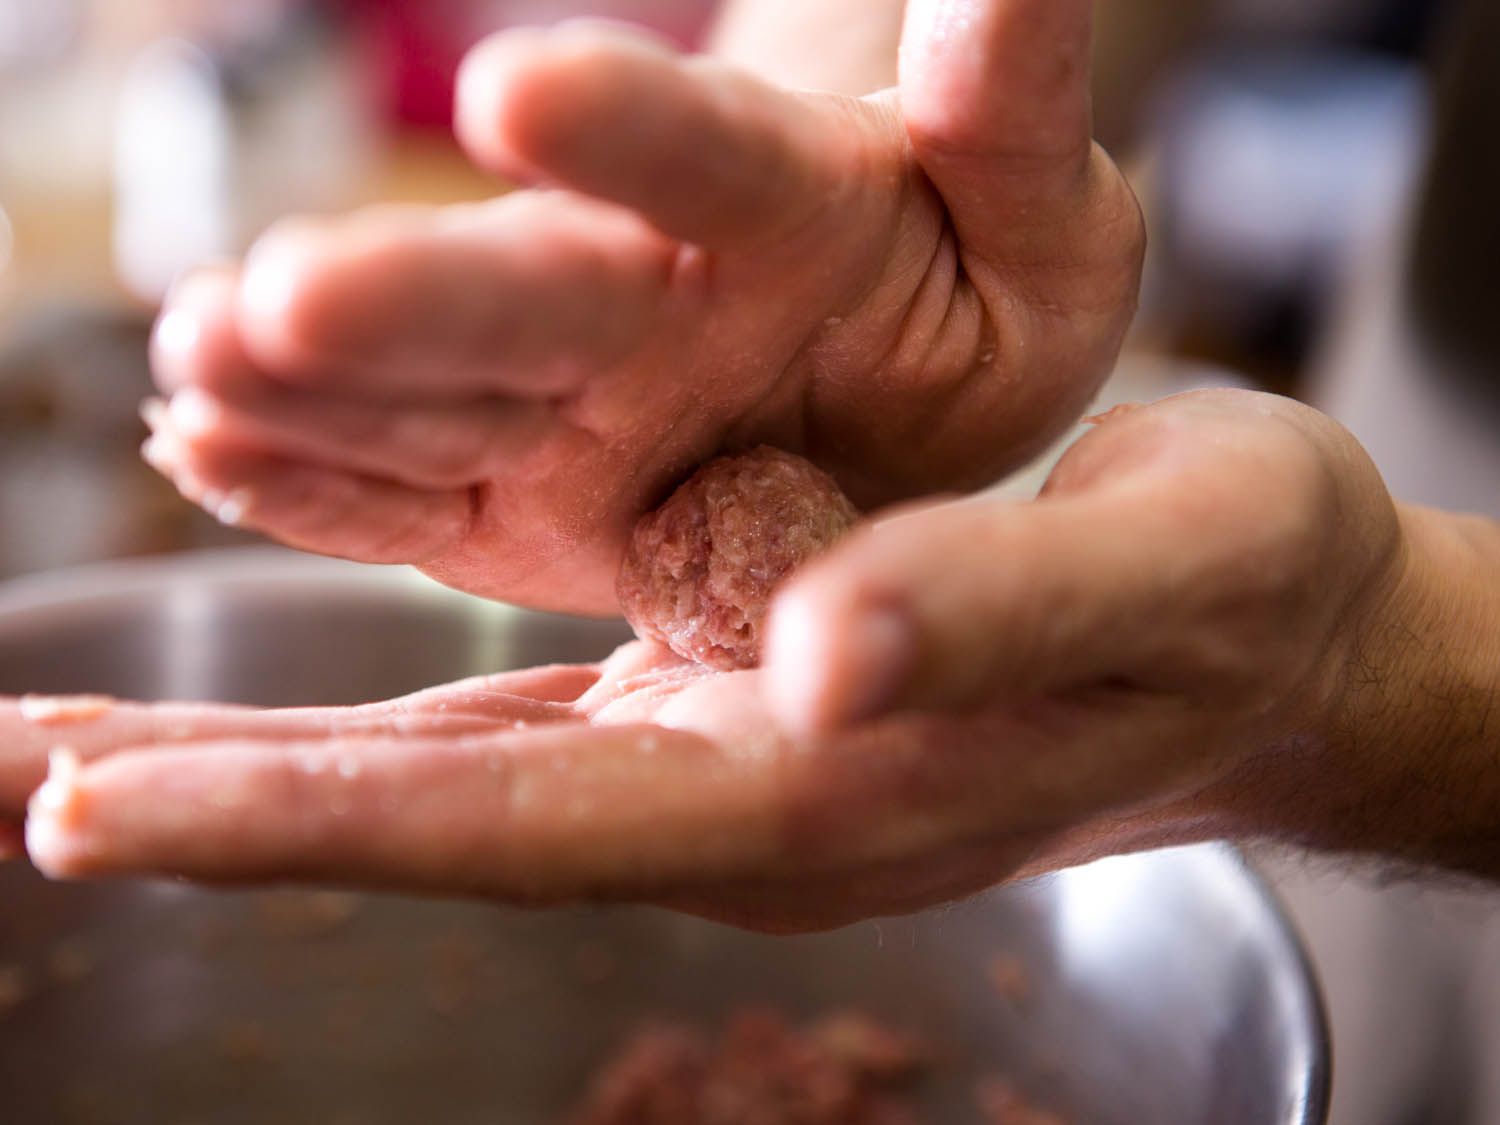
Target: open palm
x,y
642,778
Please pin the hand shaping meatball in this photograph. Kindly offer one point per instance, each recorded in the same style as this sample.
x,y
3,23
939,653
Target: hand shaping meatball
x,y
701,569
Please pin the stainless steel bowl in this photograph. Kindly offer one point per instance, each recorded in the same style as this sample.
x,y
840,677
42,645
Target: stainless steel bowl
x,y
1162,989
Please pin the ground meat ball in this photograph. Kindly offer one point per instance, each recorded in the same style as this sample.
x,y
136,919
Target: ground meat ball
x,y
846,1070
700,570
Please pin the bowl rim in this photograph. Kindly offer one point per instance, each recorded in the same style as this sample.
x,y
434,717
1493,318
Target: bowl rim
x,y
1315,1051
117,579
122,580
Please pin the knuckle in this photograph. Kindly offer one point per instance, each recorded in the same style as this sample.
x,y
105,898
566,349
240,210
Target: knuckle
x,y
447,453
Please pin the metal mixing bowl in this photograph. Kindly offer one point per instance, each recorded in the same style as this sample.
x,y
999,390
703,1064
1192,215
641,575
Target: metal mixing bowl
x,y
1162,989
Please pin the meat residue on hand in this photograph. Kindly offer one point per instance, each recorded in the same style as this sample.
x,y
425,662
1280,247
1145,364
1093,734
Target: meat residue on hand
x,y
1113,414
700,570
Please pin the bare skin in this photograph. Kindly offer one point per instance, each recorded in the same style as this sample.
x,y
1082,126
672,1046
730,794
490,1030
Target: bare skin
x,y
1176,642
917,290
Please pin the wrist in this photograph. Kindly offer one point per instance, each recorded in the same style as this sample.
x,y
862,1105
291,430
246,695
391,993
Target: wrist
x,y
1403,760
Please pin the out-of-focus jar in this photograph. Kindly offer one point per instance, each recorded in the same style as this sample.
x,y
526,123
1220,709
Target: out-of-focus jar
x,y
217,139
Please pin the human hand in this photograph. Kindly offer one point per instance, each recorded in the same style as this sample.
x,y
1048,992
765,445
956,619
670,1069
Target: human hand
x,y
645,778
916,290
1175,642
1215,621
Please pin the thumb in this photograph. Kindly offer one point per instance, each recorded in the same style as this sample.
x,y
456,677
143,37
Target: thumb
x,y
1176,548
997,101
1170,552
953,606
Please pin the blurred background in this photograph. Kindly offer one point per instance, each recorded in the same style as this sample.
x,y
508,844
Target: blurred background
x,y
1321,179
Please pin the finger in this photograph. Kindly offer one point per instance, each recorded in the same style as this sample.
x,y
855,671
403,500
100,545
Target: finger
x,y
998,88
558,813
551,683
328,511
196,340
531,818
1050,238
527,295
996,100
1154,561
707,154
31,727
955,607
636,679
425,446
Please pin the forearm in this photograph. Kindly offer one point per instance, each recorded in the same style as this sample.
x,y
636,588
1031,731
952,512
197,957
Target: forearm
x,y
843,46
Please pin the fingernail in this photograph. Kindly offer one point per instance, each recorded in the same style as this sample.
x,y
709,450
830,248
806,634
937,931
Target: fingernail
x,y
819,678
163,450
210,499
230,510
46,847
176,332
272,268
881,647
50,806
153,412
156,451
63,710
195,412
56,793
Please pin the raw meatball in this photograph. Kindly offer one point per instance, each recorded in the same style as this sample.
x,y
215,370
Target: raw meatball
x,y
700,570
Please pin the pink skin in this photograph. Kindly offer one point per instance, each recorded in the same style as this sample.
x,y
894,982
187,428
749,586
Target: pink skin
x,y
914,291
968,692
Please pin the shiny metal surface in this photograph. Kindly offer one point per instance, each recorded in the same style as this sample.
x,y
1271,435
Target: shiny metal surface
x,y
1163,989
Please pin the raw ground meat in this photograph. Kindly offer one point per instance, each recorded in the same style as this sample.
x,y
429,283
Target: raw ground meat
x,y
700,570
1000,1103
1008,976
844,1070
